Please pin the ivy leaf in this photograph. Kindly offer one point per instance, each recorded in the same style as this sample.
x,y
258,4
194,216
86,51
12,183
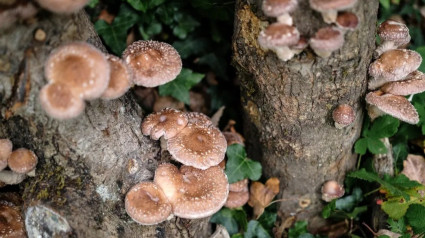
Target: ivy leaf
x,y
191,46
376,146
239,167
384,126
255,229
299,228
268,219
232,219
179,87
348,203
415,216
361,146
328,209
114,35
144,5
186,24
150,30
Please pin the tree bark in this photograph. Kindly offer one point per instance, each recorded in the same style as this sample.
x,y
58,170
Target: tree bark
x,y
288,105
82,176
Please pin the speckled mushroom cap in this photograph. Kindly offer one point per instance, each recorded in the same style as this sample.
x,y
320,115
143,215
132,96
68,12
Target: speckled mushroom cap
x,y
332,190
60,102
237,199
198,118
147,204
22,161
153,63
394,31
275,8
11,222
5,151
412,84
120,79
80,66
63,6
193,193
168,123
277,35
239,186
198,146
393,65
326,40
327,5
347,21
343,115
396,106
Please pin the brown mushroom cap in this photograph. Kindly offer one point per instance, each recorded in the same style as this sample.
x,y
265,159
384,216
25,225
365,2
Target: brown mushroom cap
x,y
11,222
120,79
347,21
329,5
326,40
233,138
237,199
153,63
394,31
81,67
193,193
5,151
332,190
168,123
239,186
60,102
63,6
412,84
393,65
278,34
275,8
343,115
198,146
22,161
396,106
198,118
147,204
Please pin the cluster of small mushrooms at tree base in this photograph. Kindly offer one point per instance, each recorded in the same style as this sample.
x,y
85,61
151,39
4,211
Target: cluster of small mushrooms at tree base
x,y
395,75
286,41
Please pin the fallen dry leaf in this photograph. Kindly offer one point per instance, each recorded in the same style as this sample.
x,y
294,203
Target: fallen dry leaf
x,y
261,195
414,168
106,16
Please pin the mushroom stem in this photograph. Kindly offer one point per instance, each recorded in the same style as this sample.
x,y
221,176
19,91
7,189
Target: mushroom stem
x,y
284,53
374,112
285,19
10,177
385,46
330,16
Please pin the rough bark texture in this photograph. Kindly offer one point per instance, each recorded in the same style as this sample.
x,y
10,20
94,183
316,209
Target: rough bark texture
x,y
82,175
289,104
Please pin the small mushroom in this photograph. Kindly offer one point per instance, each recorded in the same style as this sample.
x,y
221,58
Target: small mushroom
x,y
332,190
239,186
5,151
233,138
280,9
393,65
279,37
394,105
393,34
327,40
343,115
63,6
153,63
22,161
11,222
414,83
330,8
193,193
347,21
168,123
237,199
300,46
147,204
198,146
120,79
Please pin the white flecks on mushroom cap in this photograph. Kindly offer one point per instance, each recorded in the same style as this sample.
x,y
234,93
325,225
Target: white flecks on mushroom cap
x,y
278,35
22,161
327,40
414,83
198,118
12,224
153,63
168,123
347,21
63,6
396,106
394,31
239,186
330,8
5,151
343,115
147,204
237,199
193,193
275,8
198,146
120,80
80,66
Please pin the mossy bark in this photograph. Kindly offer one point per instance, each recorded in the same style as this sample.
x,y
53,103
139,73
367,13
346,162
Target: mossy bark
x,y
288,105
82,176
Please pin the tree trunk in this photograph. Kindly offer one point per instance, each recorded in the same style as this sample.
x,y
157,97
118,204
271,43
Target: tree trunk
x,y
82,176
288,105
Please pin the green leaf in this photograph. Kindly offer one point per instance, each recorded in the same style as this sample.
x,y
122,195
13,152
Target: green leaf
x,y
191,46
255,229
239,167
397,226
328,209
150,30
186,24
385,3
114,35
349,202
232,219
415,216
144,5
238,235
218,65
361,146
267,219
92,3
179,87
299,228
384,126
376,146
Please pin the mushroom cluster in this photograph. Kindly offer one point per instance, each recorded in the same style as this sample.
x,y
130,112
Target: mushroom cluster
x,y
21,162
394,75
284,39
78,71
